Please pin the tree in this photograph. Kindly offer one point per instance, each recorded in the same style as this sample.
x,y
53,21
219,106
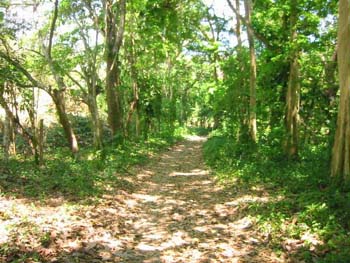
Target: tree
x,y
340,167
252,82
85,62
250,121
293,92
115,13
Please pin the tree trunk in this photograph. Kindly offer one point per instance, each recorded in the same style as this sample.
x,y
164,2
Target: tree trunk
x,y
293,92
91,80
58,94
243,104
96,122
340,167
58,99
252,91
137,122
112,94
41,142
134,105
9,138
90,76
113,42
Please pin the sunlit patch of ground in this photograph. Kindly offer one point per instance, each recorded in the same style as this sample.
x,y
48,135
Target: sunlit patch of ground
x,y
195,138
176,214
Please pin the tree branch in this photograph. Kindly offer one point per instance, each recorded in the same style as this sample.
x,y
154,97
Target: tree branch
x,y
25,72
52,29
94,17
76,83
247,24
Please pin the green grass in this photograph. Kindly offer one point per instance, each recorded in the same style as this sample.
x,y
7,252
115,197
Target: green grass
x,y
90,175
302,198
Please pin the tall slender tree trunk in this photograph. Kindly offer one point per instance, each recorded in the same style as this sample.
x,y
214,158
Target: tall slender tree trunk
x,y
252,90
96,122
113,42
112,94
243,132
340,166
134,105
41,142
92,105
293,92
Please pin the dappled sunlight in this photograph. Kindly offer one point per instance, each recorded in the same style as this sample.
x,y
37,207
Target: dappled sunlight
x,y
195,172
176,214
146,198
196,138
246,199
144,174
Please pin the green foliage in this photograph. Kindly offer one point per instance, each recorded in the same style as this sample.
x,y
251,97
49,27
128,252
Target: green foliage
x,y
91,175
177,67
301,197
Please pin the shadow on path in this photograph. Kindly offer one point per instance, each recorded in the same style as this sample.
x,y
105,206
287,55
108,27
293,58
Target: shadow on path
x,y
176,214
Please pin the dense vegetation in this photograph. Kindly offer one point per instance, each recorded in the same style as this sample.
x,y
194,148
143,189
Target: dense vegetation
x,y
125,79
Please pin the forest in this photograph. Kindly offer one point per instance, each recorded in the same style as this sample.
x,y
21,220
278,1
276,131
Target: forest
x,y
175,131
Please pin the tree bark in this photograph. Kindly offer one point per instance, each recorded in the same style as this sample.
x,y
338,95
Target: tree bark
x,y
293,92
41,142
238,25
134,105
8,138
59,100
340,167
96,122
252,90
243,131
113,42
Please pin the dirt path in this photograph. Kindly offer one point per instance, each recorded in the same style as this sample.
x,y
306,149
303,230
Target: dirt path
x,y
183,216
176,214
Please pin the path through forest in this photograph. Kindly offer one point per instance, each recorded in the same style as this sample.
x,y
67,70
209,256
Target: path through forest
x,y
184,216
177,213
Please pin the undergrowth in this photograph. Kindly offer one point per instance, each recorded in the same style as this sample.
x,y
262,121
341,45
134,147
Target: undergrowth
x,y
91,174
304,207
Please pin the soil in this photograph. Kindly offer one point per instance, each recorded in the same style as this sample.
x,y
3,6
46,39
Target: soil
x,y
177,213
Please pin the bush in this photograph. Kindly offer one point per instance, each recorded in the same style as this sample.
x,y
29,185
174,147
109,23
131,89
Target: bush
x,y
301,189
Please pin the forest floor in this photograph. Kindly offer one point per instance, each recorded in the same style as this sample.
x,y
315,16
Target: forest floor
x,y
176,213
